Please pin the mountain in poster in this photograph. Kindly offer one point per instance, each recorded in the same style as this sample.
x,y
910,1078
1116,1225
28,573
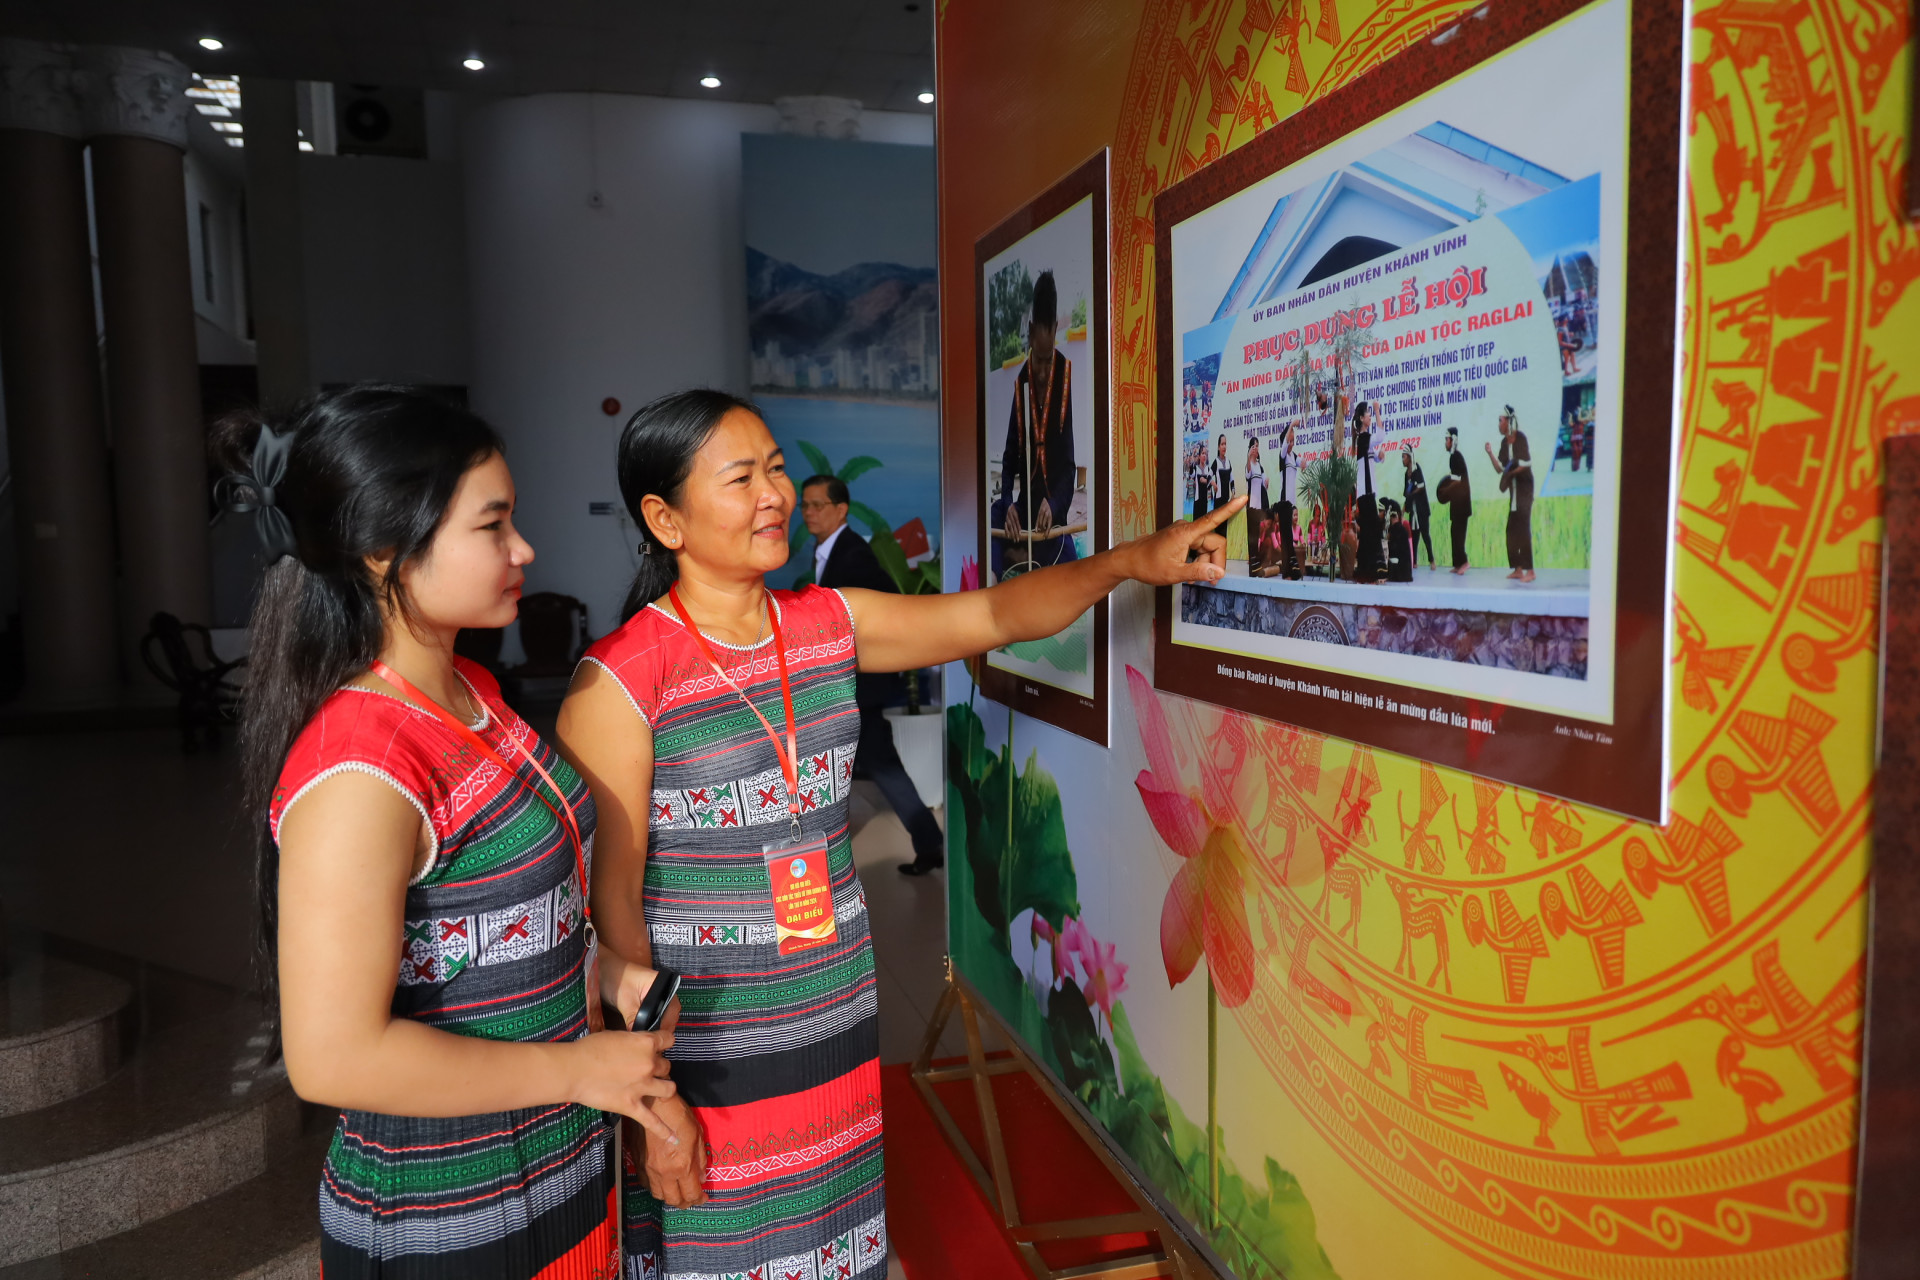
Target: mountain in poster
x,y
869,330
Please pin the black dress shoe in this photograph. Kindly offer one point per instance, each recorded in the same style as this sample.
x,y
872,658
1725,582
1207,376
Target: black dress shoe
x,y
919,868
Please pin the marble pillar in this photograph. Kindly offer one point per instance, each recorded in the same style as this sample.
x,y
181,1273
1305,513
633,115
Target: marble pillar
x,y
137,129
56,440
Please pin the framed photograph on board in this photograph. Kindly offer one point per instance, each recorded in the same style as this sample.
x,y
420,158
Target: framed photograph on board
x,y
1428,330
1040,284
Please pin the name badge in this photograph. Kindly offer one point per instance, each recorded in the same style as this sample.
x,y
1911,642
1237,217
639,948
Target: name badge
x,y
803,914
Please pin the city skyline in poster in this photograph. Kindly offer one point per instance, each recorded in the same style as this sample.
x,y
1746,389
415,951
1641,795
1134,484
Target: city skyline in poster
x,y
843,334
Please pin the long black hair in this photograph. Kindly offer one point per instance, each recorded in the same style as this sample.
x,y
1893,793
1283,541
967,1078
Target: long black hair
x,y
369,473
657,449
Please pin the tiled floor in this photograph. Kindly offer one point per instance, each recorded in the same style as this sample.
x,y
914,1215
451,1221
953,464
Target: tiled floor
x,y
909,929
118,841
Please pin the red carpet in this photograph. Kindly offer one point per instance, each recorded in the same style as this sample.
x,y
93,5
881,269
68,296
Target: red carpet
x,y
943,1227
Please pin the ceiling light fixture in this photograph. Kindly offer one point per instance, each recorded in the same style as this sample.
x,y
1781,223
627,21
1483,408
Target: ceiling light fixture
x,y
926,98
212,45
474,64
709,82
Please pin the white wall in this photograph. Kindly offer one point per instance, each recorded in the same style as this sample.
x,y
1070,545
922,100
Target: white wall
x,y
572,303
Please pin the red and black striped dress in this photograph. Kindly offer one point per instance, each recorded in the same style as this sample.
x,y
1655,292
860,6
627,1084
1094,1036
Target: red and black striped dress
x,y
778,1055
493,947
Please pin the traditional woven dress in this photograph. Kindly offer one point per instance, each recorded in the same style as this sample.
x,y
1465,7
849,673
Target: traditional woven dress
x,y
493,948
778,1055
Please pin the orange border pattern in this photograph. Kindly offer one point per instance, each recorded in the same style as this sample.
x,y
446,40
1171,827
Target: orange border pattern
x,y
1568,1045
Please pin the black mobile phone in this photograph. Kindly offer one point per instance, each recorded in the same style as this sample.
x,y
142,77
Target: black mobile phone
x,y
653,1007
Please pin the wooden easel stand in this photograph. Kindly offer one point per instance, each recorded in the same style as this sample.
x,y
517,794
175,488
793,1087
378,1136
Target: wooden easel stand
x,y
997,1185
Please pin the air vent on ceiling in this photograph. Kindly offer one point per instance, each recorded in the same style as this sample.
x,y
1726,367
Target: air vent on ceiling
x,y
375,120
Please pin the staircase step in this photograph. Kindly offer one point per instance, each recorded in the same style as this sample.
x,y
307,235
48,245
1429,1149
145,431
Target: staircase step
x,y
60,1032
267,1228
192,1115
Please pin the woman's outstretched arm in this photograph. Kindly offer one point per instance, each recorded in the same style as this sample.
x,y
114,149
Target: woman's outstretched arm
x,y
900,633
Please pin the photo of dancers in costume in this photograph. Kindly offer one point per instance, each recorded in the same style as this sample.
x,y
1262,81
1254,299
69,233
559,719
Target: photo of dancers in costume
x,y
1515,465
1271,511
1446,284
1303,410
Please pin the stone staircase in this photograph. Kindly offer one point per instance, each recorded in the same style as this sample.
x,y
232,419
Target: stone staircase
x,y
141,1135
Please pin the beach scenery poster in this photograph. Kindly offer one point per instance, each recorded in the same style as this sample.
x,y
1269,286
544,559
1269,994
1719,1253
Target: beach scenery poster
x,y
843,332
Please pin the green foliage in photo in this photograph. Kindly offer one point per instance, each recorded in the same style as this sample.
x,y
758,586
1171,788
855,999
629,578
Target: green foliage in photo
x,y
1562,532
1330,482
1014,845
1009,299
1263,1227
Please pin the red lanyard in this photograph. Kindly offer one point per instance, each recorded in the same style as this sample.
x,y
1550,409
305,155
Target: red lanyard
x,y
562,811
789,758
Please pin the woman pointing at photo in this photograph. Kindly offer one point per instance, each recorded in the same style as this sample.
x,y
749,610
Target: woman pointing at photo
x,y
716,729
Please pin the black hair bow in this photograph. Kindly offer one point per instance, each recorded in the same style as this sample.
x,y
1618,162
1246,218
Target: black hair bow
x,y
254,493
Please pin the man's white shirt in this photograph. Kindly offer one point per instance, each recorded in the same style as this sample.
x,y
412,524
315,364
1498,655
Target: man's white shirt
x,y
823,548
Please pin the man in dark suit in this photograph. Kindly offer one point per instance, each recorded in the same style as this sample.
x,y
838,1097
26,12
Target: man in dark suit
x,y
1419,514
1459,499
842,558
1366,495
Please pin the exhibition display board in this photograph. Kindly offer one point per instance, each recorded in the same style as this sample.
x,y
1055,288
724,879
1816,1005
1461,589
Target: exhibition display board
x,y
1377,321
1366,1007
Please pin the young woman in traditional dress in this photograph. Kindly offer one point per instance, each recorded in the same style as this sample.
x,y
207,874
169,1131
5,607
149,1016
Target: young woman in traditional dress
x,y
423,859
717,729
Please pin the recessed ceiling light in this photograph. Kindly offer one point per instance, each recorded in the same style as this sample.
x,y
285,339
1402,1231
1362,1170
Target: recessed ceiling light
x,y
709,82
926,98
473,64
211,44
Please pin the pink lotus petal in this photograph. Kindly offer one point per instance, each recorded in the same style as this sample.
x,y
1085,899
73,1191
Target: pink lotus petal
x,y
1155,735
1182,918
1106,977
1229,942
1179,819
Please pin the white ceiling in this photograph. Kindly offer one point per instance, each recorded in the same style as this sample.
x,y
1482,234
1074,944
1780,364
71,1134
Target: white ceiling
x,y
879,51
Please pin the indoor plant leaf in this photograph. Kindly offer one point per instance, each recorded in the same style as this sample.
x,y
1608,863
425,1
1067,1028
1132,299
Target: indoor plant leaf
x,y
815,458
859,466
887,551
866,515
